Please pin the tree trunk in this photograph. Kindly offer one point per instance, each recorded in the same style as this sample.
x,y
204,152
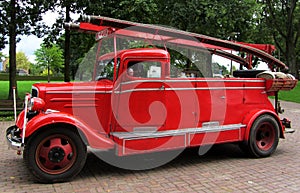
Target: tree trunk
x,y
67,48
291,58
12,50
291,44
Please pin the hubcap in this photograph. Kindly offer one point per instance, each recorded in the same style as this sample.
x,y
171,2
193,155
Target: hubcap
x,y
55,154
265,136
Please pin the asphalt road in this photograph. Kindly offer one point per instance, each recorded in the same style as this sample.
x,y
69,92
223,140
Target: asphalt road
x,y
223,169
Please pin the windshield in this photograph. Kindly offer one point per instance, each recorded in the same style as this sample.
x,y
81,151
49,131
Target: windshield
x,y
105,69
93,66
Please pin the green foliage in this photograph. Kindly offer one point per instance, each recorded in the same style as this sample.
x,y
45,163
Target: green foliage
x,y
27,19
22,61
2,56
50,58
86,65
230,19
282,21
20,18
79,46
7,115
247,20
217,68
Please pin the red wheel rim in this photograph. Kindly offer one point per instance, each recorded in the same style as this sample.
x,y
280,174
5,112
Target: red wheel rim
x,y
55,154
265,136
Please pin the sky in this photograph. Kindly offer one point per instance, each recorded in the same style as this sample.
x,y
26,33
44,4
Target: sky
x,y
29,44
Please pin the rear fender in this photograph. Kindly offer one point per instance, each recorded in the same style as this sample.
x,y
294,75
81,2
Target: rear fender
x,y
94,138
252,116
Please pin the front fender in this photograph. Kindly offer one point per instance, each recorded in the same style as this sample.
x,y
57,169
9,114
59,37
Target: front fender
x,y
94,138
252,116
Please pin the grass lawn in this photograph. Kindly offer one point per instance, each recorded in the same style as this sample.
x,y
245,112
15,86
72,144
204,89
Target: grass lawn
x,y
293,95
23,88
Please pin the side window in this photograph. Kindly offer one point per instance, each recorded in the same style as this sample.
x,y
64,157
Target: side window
x,y
144,69
182,72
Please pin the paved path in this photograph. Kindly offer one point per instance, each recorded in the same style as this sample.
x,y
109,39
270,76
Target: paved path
x,y
224,169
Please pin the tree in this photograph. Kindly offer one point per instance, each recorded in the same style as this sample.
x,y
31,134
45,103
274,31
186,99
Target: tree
x,y
215,18
283,20
2,56
22,61
64,8
50,58
19,18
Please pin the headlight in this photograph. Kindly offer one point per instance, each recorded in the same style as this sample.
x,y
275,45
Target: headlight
x,y
36,104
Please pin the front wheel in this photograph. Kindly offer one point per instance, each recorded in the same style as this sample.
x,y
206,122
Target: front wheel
x,y
263,137
55,155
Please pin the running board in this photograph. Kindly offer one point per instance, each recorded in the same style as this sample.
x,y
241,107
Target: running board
x,y
152,141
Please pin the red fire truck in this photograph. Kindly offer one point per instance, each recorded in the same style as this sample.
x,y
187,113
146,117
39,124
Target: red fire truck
x,y
146,89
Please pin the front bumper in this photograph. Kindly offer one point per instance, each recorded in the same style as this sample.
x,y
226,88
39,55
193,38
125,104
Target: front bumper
x,y
14,139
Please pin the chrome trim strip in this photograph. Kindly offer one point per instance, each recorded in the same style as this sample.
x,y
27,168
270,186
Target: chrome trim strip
x,y
218,88
190,80
49,111
138,90
145,129
142,81
73,99
191,88
215,80
124,148
144,135
78,92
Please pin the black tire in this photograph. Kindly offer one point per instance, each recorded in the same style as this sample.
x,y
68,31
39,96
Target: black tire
x,y
55,155
263,137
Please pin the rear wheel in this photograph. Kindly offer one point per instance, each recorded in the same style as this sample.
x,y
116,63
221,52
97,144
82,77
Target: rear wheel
x,y
263,138
55,155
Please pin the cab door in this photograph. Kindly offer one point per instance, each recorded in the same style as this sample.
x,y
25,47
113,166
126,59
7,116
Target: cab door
x,y
139,97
